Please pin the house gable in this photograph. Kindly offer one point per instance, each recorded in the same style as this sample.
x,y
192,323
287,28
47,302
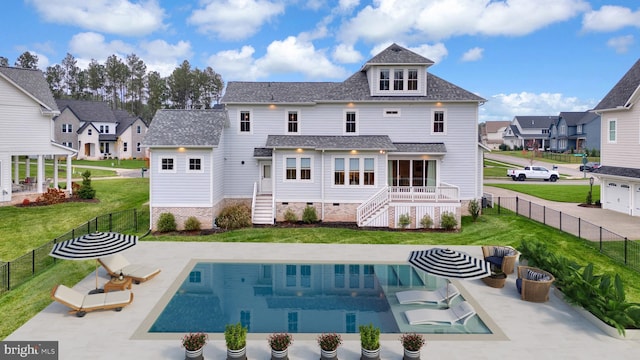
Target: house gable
x,y
624,93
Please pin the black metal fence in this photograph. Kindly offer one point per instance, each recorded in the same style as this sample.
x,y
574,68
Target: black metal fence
x,y
20,270
608,242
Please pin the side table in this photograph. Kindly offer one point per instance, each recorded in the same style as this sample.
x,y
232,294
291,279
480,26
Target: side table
x,y
115,284
494,280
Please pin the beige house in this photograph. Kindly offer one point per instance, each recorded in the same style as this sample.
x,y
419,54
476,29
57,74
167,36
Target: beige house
x,y
26,112
491,133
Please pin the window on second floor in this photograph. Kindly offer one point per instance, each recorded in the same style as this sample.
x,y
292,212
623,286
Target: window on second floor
x,y
245,121
412,81
138,129
67,128
292,122
384,79
351,122
125,147
89,132
579,129
398,80
101,129
611,128
438,122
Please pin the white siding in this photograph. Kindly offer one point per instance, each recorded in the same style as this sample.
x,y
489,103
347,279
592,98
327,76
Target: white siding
x,y
624,152
179,188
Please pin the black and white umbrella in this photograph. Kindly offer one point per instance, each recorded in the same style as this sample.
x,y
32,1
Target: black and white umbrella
x,y
447,263
93,246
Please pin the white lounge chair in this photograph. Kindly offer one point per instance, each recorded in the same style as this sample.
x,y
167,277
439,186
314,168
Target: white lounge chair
x,y
437,296
81,304
117,263
459,313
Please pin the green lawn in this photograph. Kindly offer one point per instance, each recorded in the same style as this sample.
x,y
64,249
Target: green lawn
x,y
549,157
123,164
62,171
555,192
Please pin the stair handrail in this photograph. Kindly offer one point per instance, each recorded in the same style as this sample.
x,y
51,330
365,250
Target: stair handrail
x,y
253,201
373,204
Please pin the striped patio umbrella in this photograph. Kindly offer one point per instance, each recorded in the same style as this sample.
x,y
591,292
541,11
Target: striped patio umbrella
x,y
93,246
446,263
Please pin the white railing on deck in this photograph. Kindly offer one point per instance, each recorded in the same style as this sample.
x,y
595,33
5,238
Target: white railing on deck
x,y
369,207
444,192
253,201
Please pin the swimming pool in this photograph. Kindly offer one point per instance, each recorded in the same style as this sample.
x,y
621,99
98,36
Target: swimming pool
x,y
299,298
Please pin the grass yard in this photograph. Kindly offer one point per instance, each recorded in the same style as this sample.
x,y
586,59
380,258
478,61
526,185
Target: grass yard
x,y
555,192
123,164
62,171
25,228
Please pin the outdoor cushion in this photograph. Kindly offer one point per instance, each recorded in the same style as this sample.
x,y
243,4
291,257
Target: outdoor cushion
x,y
460,312
519,285
80,304
495,260
117,263
534,275
428,296
499,251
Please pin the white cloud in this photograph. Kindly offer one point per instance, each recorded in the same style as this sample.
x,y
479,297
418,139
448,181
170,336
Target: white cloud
x,y
348,5
435,52
234,19
346,54
621,43
391,20
610,18
506,106
158,55
473,54
120,17
235,65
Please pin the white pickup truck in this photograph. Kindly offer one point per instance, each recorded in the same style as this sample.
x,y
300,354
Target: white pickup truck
x,y
533,172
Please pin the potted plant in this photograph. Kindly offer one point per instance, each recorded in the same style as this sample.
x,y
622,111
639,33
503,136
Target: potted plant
x,y
329,343
193,344
235,335
370,341
279,343
412,343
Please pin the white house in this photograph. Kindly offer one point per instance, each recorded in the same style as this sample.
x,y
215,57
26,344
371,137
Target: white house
x,y
529,132
620,145
391,140
26,112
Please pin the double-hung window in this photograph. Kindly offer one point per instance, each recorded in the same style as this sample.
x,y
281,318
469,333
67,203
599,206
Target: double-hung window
x,y
439,122
613,137
369,171
398,80
292,122
351,120
138,129
67,128
338,172
384,79
291,169
354,171
358,171
125,147
138,147
298,168
245,121
305,168
412,81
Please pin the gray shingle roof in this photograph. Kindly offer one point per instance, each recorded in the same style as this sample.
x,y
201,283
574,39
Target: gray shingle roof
x,y
124,119
262,152
618,171
422,148
88,111
33,82
621,93
321,142
396,54
573,117
535,122
186,128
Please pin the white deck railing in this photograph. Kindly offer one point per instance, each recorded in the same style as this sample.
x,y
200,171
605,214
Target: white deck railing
x,y
253,200
369,207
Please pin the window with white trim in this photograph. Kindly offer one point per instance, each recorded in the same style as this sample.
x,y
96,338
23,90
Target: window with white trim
x,y
398,80
101,129
359,171
412,80
138,147
438,122
297,168
67,128
167,165
125,147
391,113
245,121
194,164
89,132
292,122
351,122
384,79
403,80
611,128
138,129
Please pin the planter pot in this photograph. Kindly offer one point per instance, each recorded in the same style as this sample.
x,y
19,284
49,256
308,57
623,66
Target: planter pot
x,y
328,354
194,354
280,354
370,354
237,354
411,355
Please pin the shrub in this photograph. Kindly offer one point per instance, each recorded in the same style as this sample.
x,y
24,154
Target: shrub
x,y
280,341
290,216
166,222
51,196
234,217
309,215
235,335
194,341
26,202
474,209
192,224
412,341
86,191
448,221
329,341
404,220
426,221
369,337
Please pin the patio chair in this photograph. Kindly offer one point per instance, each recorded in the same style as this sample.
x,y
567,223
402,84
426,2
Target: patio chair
x,y
81,304
502,257
117,264
438,296
534,284
459,313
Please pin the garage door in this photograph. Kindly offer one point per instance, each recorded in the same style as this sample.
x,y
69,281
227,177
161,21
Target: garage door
x,y
617,197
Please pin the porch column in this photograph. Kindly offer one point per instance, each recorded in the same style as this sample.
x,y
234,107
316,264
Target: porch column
x,y
40,174
55,172
16,169
69,185
27,168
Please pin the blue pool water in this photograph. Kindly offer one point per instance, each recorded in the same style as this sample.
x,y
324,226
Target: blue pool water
x,y
298,298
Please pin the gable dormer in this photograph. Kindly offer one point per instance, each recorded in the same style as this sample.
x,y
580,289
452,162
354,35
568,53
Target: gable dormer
x,y
397,71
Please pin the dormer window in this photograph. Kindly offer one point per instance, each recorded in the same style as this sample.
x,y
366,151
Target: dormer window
x,y
398,80
384,79
412,80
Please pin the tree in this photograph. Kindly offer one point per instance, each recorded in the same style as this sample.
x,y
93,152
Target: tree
x,y
70,76
96,78
213,87
137,73
157,87
86,191
54,76
179,83
27,61
116,77
4,61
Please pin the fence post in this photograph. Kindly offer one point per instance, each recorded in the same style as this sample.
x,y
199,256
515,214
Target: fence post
x,y
499,204
89,227
33,262
579,227
110,222
517,212
625,250
560,220
8,275
135,219
544,215
529,209
600,238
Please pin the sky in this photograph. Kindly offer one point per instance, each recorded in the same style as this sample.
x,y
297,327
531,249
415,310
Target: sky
x,y
526,57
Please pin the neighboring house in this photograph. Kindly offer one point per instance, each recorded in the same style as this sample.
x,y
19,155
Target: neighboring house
x,y
26,112
529,132
492,133
575,131
620,171
391,140
97,131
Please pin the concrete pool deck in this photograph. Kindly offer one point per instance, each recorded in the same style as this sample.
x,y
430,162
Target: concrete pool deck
x,y
530,330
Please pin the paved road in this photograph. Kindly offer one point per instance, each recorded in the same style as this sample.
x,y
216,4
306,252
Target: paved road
x,y
570,171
